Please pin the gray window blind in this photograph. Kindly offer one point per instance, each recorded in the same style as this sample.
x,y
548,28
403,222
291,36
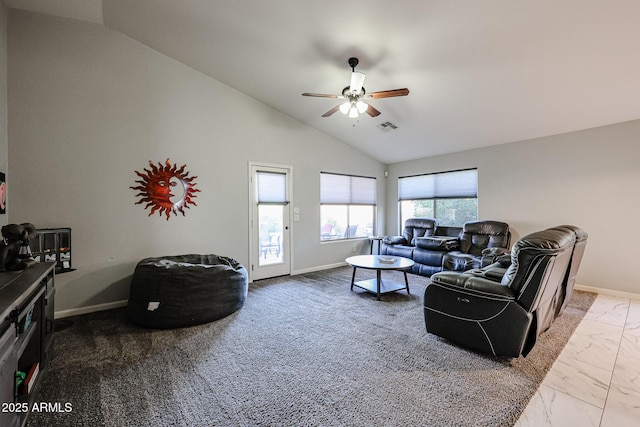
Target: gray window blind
x,y
347,189
457,184
272,187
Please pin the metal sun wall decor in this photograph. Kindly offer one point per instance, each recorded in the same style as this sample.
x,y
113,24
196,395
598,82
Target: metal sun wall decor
x,y
158,185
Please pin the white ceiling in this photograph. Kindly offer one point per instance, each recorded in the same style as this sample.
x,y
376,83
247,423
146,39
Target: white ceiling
x,y
480,72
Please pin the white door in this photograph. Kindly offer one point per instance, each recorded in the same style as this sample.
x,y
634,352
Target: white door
x,y
269,225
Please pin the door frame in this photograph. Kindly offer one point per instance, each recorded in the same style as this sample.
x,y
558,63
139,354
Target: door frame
x,y
254,251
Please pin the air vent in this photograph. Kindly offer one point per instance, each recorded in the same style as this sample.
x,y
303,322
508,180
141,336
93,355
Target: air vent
x,y
387,126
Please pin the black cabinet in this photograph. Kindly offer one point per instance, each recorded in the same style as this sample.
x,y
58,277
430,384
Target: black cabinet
x,y
53,245
26,338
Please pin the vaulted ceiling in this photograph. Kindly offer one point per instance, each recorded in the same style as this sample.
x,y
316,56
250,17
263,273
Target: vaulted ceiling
x,y
479,72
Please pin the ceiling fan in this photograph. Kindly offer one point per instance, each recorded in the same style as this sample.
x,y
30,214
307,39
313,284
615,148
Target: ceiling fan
x,y
355,95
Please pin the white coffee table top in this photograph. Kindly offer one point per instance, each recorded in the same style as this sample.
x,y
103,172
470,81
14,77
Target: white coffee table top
x,y
379,262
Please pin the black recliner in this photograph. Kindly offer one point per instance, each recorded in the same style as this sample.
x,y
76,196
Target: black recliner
x,y
403,246
497,270
480,243
413,228
576,259
503,318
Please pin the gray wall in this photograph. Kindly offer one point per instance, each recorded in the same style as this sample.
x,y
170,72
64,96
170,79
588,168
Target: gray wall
x,y
587,178
88,106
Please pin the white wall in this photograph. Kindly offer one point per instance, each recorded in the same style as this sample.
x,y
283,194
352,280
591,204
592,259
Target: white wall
x,y
89,106
588,178
4,163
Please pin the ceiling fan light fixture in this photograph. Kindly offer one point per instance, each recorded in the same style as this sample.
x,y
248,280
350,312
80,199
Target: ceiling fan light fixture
x,y
357,80
353,113
344,107
361,106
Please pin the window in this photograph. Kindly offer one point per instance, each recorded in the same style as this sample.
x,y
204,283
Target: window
x,y
449,197
347,206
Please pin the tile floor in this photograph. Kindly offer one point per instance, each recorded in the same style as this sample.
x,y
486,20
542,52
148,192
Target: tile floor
x,y
596,379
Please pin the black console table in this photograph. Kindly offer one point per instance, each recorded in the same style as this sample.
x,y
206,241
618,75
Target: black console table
x,y
26,338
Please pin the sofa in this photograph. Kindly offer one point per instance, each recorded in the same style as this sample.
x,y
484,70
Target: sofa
x,y
435,248
503,308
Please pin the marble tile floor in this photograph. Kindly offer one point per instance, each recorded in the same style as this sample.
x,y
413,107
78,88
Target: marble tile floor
x,y
596,379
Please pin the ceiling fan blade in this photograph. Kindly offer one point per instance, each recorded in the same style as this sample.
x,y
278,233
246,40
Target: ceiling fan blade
x,y
357,80
372,111
388,93
322,95
330,112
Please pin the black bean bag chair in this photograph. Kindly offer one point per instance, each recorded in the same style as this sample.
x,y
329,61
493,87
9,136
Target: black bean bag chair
x,y
186,290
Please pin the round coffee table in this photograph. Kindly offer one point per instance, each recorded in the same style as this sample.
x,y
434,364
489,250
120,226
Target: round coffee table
x,y
379,263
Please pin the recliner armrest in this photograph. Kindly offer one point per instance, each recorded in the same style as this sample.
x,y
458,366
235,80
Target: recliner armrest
x,y
489,286
394,240
493,272
496,252
469,282
491,255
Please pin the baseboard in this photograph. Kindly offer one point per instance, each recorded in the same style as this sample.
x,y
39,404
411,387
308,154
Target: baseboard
x,y
609,292
89,309
319,268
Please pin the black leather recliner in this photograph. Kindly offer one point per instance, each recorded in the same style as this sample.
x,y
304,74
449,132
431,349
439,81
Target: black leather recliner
x,y
576,259
497,270
480,243
503,318
423,242
404,245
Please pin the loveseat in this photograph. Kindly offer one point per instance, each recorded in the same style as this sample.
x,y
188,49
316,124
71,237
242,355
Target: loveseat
x,y
435,248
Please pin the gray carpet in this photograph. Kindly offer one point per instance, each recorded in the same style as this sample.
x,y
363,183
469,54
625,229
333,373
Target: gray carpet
x,y
303,351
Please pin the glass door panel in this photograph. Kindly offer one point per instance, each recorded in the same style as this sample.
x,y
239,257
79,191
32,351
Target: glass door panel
x,y
271,224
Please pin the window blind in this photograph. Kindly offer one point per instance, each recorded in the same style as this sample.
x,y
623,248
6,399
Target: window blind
x,y
347,189
457,184
272,187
